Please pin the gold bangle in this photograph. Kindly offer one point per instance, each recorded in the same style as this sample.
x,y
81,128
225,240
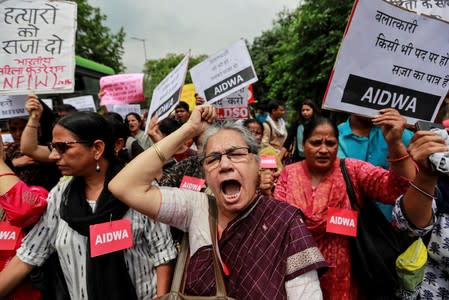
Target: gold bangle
x,y
32,126
159,153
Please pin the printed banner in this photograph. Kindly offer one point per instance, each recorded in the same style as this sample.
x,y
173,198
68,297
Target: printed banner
x,y
391,57
435,8
13,106
122,88
166,94
124,109
83,103
234,106
224,73
37,47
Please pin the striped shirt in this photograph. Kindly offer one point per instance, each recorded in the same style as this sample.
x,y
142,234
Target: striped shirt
x,y
153,246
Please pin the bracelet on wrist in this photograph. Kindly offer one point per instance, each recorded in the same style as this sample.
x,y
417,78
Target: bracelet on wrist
x,y
32,126
398,159
159,152
421,191
7,174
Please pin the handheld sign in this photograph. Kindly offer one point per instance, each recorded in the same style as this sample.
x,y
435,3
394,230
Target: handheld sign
x,y
37,52
435,8
9,236
83,103
224,72
122,88
192,183
166,94
12,106
267,162
342,221
124,109
234,106
390,57
110,237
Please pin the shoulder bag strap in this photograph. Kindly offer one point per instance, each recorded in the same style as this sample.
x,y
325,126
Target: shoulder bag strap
x,y
221,289
349,187
178,275
271,130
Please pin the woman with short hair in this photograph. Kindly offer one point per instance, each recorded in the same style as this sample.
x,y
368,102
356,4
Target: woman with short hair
x,y
265,250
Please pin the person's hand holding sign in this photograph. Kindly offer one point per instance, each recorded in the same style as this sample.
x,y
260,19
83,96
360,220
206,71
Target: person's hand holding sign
x,y
34,107
393,125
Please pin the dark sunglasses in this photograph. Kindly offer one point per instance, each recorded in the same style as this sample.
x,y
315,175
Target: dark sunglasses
x,y
61,147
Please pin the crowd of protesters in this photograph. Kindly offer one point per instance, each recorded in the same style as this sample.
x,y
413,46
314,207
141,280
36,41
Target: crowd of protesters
x,y
58,180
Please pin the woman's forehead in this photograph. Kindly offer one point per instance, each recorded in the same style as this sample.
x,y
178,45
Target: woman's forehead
x,y
225,139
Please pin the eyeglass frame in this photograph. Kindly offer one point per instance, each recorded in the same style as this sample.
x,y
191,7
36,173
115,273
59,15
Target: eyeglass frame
x,y
219,155
64,148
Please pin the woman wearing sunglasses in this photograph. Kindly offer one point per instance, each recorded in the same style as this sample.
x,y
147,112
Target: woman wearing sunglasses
x,y
82,148
266,252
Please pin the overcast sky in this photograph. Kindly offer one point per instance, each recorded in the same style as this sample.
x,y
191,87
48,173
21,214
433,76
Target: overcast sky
x,y
175,26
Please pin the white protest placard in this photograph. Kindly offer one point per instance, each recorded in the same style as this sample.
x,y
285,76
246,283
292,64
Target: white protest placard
x,y
224,73
434,8
124,109
390,57
13,106
166,94
122,88
7,138
37,47
82,103
234,106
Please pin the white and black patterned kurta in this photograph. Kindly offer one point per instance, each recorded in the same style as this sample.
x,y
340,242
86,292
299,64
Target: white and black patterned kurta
x,y
153,246
435,284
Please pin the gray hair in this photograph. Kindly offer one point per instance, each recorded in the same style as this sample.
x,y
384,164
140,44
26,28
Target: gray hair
x,y
254,147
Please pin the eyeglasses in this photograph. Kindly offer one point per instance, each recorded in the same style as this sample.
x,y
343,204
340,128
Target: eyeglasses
x,y
61,147
235,155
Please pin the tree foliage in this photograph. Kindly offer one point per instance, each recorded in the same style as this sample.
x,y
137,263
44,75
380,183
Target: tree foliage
x,y
95,41
157,69
294,59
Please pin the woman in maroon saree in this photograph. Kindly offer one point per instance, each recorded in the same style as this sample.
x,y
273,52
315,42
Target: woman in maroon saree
x,y
265,249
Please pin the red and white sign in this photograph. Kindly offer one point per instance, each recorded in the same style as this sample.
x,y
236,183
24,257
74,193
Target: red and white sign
x,y
192,183
232,113
9,236
342,221
268,162
110,237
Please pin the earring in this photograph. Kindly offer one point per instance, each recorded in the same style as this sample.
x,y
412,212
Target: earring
x,y
97,168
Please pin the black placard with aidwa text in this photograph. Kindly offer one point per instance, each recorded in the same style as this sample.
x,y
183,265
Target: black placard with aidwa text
x,y
374,94
229,83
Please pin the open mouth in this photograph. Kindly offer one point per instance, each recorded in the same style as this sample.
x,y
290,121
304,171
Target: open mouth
x,y
231,190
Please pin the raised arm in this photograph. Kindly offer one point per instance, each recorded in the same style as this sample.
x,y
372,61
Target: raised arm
x,y
133,186
393,125
417,201
29,141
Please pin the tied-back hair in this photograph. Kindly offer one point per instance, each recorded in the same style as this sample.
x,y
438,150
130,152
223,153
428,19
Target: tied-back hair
x,y
89,127
254,147
314,123
310,103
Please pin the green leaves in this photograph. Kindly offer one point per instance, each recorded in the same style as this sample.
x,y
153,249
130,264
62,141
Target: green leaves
x,y
294,59
157,69
95,41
